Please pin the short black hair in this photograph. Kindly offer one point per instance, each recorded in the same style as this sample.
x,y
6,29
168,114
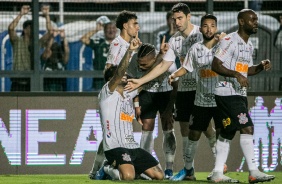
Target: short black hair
x,y
27,23
145,49
124,17
181,7
109,72
243,12
208,16
168,15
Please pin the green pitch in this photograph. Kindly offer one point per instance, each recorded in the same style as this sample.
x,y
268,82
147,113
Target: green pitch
x,y
83,179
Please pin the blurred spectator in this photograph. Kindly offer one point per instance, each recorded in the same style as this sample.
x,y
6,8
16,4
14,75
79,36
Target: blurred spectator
x,y
255,5
22,47
171,30
100,47
55,58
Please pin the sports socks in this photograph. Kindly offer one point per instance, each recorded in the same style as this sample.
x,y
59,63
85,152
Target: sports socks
x,y
169,148
99,159
222,151
247,145
212,143
114,173
190,153
147,141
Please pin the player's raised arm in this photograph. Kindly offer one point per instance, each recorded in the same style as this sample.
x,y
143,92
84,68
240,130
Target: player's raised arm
x,y
134,44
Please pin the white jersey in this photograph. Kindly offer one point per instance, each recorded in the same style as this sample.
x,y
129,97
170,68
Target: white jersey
x,y
117,114
236,55
199,58
159,84
117,50
179,46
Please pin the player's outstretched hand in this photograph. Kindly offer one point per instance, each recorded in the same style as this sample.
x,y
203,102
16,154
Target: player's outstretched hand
x,y
266,64
132,84
164,46
219,37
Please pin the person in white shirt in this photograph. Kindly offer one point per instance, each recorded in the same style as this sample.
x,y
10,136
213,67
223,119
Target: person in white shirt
x,y
234,63
198,59
124,155
127,23
156,96
179,44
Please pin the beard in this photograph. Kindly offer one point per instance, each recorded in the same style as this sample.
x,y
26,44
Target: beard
x,y
208,38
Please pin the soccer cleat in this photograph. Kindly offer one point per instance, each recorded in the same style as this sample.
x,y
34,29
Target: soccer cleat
x,y
184,174
100,174
220,178
225,169
92,176
168,174
260,177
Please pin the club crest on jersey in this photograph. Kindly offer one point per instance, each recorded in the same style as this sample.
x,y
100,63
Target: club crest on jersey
x,y
115,44
226,122
242,118
227,38
126,157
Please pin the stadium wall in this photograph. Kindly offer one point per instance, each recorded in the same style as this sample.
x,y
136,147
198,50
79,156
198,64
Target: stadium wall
x,y
59,133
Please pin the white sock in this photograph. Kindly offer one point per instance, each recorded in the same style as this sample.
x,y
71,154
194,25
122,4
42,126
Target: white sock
x,y
222,150
147,141
114,173
99,159
212,143
190,153
184,144
247,145
169,147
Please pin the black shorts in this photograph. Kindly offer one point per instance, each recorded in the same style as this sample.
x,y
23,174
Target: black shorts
x,y
184,105
152,102
139,158
201,117
234,112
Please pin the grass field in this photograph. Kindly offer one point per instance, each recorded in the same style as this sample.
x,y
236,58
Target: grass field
x,y
83,179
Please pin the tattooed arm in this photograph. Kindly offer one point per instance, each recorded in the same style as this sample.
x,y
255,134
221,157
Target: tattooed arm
x,y
122,67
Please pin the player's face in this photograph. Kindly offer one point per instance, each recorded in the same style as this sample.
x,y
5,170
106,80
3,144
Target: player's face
x,y
181,20
110,32
132,27
208,29
146,62
251,23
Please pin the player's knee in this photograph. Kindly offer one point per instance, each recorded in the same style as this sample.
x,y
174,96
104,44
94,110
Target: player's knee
x,y
194,135
159,176
127,176
247,130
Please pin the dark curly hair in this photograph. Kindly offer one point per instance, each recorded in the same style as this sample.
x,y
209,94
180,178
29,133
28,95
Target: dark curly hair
x,y
145,50
124,17
109,72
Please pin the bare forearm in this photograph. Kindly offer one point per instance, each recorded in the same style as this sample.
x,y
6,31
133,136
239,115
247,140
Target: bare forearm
x,y
221,70
157,71
255,69
86,38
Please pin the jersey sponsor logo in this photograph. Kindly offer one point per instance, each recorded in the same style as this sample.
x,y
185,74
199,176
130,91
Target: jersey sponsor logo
x,y
207,73
241,67
126,157
126,117
189,83
209,97
242,118
226,122
115,44
129,139
227,38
